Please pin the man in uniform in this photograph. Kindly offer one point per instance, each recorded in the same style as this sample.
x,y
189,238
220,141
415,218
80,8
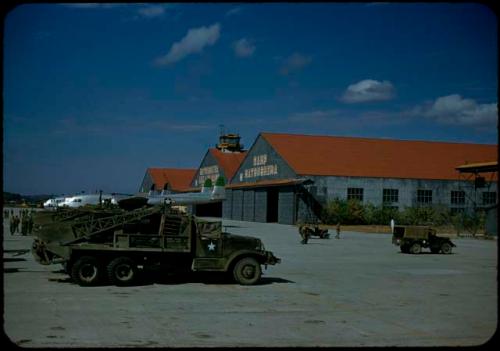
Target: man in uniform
x,y
337,236
12,225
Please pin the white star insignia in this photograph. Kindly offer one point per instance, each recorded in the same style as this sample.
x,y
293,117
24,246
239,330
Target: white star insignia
x,y
211,246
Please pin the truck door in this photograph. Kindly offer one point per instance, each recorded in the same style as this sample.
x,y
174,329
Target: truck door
x,y
209,239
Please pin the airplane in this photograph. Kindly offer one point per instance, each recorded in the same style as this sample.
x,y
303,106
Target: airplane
x,y
207,195
82,200
54,202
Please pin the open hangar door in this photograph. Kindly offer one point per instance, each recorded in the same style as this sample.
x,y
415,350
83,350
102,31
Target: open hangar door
x,y
209,210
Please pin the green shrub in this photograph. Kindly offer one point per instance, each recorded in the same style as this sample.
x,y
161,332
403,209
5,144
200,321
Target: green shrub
x,y
220,181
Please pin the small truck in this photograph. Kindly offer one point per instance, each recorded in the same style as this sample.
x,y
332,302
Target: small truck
x,y
113,245
412,238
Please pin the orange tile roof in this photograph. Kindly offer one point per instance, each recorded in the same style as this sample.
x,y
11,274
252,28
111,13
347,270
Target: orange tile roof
x,y
365,157
228,161
178,178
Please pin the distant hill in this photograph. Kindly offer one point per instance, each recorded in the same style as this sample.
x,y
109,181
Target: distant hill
x,y
18,198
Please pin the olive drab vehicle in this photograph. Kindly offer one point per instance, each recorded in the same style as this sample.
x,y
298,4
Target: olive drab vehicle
x,y
412,238
308,230
114,245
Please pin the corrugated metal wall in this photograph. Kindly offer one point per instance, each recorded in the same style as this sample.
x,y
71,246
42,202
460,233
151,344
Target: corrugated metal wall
x,y
248,205
227,205
286,206
237,205
260,205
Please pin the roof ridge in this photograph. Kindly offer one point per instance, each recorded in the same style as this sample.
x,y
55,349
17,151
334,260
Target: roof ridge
x,y
376,139
172,169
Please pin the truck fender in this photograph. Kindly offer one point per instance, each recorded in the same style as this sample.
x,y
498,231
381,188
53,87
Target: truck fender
x,y
236,256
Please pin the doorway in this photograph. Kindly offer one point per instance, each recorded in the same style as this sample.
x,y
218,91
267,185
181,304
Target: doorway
x,y
272,206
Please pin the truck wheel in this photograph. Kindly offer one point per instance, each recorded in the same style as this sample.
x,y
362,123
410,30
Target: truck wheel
x,y
446,248
247,271
122,271
86,271
404,249
415,248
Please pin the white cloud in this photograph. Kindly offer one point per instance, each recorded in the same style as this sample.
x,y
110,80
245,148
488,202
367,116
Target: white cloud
x,y
453,109
368,90
194,41
294,62
243,48
151,11
233,11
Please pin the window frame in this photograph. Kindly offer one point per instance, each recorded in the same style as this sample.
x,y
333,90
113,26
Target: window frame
x,y
389,194
355,194
457,197
424,196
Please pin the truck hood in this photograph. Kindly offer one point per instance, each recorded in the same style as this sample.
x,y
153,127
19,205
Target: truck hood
x,y
242,242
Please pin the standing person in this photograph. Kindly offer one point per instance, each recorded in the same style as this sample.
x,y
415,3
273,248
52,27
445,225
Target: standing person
x,y
337,236
24,224
16,223
12,225
30,222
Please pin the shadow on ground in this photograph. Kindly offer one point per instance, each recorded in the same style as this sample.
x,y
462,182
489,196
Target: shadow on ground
x,y
151,278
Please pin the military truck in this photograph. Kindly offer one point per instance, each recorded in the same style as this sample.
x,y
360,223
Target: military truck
x,y
114,245
412,238
307,230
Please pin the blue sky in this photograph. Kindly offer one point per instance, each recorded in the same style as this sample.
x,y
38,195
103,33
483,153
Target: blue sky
x,y
96,93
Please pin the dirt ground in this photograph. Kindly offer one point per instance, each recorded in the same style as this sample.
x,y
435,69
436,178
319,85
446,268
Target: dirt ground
x,y
359,290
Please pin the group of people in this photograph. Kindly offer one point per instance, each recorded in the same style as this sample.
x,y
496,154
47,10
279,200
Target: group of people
x,y
22,223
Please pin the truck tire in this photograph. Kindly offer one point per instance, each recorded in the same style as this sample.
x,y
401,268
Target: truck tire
x,y
86,271
415,248
122,271
446,248
405,248
247,271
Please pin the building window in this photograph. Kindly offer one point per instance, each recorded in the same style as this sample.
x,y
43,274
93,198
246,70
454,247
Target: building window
x,y
390,196
458,197
424,196
355,193
489,197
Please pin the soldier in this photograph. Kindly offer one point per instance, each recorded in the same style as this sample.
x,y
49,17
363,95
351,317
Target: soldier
x,y
12,225
16,223
24,224
30,222
337,236
304,233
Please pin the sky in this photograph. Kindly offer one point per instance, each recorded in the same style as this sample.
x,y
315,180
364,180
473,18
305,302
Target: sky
x,y
94,94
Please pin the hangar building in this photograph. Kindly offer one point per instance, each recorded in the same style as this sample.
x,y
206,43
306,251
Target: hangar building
x,y
286,178
223,160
